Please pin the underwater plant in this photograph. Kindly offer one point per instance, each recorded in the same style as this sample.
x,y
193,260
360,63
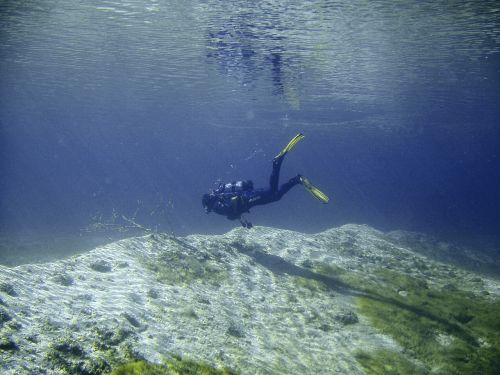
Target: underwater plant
x,y
449,330
385,362
173,366
140,368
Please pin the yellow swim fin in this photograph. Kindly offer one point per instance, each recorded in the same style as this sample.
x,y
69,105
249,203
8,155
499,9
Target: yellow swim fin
x,y
290,145
315,192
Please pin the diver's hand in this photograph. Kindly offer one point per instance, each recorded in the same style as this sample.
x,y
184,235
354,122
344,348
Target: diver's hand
x,y
245,223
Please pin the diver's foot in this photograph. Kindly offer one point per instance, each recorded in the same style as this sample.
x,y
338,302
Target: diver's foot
x,y
315,192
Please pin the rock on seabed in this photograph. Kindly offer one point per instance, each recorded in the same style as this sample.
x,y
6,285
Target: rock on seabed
x,y
260,301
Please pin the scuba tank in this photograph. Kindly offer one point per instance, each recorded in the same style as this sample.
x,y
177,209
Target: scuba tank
x,y
235,186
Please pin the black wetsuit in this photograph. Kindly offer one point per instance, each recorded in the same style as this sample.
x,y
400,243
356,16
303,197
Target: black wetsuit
x,y
233,204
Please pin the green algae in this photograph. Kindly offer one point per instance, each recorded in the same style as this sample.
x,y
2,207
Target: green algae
x,y
385,362
140,368
312,285
66,354
179,268
7,344
330,270
447,329
450,330
173,366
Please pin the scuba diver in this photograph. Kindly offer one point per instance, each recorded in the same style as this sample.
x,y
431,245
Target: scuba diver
x,y
236,198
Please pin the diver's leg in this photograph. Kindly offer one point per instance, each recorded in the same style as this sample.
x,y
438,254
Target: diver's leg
x,y
275,175
287,186
265,196
278,159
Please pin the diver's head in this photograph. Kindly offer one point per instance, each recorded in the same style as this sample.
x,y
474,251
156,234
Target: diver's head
x,y
207,201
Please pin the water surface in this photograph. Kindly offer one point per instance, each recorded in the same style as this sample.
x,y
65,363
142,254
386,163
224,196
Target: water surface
x,y
138,107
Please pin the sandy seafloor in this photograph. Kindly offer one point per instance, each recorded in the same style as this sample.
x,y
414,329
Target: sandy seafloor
x,y
260,301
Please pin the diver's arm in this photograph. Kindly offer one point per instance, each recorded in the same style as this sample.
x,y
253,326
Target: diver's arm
x,y
236,204
222,208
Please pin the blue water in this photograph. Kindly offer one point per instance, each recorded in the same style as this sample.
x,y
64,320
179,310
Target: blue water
x,y
137,108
